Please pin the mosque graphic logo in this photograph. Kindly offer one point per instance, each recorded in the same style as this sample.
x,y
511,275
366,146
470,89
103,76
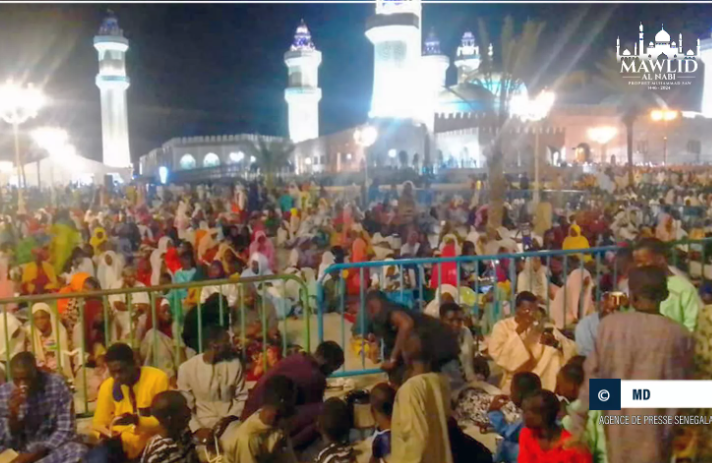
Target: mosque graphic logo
x,y
664,63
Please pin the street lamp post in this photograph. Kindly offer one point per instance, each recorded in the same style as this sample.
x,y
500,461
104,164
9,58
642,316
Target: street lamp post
x,y
534,110
602,135
18,104
365,137
664,116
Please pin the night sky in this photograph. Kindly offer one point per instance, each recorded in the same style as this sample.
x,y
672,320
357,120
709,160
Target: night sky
x,y
218,69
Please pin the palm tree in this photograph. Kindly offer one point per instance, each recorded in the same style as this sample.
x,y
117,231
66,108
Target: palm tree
x,y
271,156
503,79
632,101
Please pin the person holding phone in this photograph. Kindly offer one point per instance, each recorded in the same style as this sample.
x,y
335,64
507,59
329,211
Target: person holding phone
x,y
122,420
525,343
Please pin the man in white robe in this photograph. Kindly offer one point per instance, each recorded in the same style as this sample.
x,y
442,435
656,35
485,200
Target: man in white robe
x,y
214,386
524,343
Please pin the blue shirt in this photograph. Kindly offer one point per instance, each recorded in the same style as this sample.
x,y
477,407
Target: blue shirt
x,y
47,415
586,333
508,449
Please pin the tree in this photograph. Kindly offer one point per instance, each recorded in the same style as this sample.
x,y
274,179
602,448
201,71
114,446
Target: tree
x,y
631,102
517,57
271,156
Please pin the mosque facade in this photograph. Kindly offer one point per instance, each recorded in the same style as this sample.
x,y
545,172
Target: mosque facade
x,y
421,119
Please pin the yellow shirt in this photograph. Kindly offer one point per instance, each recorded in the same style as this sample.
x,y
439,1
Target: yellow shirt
x,y
260,443
134,438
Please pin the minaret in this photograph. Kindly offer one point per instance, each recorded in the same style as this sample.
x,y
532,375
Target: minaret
x,y
704,53
641,41
303,93
434,73
468,57
395,34
112,81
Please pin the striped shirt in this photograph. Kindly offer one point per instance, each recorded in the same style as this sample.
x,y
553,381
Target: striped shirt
x,y
336,453
167,450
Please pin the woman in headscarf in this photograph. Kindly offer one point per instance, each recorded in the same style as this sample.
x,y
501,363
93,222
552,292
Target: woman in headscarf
x,y
158,259
576,241
183,299
445,293
445,273
232,263
359,253
533,278
68,309
49,341
109,268
38,277
575,300
79,263
158,348
262,245
12,340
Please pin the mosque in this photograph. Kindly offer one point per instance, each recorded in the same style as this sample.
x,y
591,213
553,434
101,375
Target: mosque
x,y
419,118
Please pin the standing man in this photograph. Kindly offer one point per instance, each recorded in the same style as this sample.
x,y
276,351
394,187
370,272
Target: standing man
x,y
37,415
683,304
309,373
214,387
123,408
638,345
525,343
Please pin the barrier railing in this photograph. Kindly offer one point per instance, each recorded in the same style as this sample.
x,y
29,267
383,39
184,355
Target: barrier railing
x,y
486,285
249,307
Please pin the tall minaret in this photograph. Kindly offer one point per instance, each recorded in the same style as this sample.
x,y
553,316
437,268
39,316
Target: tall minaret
x,y
468,57
641,41
303,93
113,82
395,33
434,65
704,53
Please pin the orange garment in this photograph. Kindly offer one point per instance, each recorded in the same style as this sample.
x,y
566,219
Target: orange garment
x,y
76,285
359,253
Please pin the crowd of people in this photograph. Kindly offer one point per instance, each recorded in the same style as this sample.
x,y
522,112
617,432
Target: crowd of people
x,y
197,373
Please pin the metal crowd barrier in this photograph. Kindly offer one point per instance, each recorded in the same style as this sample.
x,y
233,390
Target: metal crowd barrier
x,y
228,316
490,293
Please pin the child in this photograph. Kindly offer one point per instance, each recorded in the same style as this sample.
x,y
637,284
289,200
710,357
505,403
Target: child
x,y
524,384
383,396
174,442
334,425
543,440
568,383
262,436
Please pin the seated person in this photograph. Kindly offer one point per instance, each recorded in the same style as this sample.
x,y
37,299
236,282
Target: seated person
x,y
174,441
524,384
334,425
543,440
261,438
309,373
123,408
214,385
383,396
460,371
38,411
249,313
526,343
568,384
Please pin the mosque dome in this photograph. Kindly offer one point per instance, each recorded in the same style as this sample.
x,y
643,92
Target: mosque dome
x,y
465,97
662,36
302,38
626,53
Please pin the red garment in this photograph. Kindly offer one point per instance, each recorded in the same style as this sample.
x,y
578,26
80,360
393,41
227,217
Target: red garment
x,y
448,269
94,332
531,452
172,260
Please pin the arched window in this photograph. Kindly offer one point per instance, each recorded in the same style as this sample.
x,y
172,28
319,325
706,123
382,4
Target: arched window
x,y
236,157
211,160
187,162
